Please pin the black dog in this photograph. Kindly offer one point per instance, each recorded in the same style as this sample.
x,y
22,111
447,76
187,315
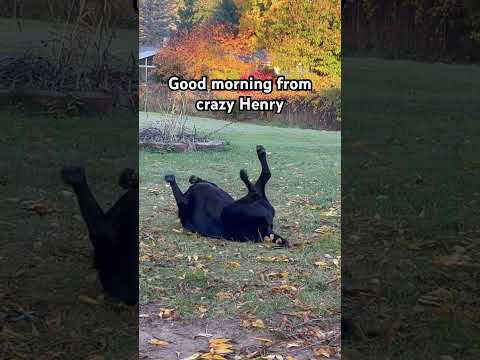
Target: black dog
x,y
208,210
114,234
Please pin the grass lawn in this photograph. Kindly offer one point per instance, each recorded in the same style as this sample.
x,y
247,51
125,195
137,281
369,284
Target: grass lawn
x,y
46,257
214,279
410,210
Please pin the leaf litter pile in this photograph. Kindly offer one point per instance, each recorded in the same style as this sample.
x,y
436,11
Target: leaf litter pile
x,y
214,299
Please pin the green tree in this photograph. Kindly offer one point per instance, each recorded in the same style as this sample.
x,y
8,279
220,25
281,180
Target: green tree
x,y
227,13
156,20
206,9
187,16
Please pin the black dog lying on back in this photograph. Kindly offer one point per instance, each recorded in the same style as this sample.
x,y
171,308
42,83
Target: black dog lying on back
x,y
208,210
114,234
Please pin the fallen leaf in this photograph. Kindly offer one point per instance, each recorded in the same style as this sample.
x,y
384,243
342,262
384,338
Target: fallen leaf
x,y
193,357
325,351
168,314
88,300
234,264
264,340
158,342
202,310
218,348
253,323
324,230
224,295
285,289
276,275
258,324
437,298
321,264
455,259
41,208
273,357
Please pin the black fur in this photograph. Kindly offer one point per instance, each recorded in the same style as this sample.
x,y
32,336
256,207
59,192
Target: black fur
x,y
208,210
114,234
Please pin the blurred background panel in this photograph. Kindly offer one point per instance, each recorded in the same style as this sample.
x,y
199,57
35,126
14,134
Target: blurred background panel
x,y
68,96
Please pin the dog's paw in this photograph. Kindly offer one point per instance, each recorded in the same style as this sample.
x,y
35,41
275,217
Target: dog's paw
x,y
260,150
73,175
170,178
244,175
128,179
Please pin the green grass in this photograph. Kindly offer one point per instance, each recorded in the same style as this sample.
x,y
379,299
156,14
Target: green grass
x,y
186,271
411,144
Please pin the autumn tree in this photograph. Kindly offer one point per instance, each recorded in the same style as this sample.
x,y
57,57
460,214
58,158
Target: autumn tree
x,y
302,37
208,50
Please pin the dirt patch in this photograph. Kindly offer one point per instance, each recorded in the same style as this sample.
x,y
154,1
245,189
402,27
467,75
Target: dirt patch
x,y
185,338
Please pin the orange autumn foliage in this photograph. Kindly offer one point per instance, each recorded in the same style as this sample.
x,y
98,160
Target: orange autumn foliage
x,y
208,50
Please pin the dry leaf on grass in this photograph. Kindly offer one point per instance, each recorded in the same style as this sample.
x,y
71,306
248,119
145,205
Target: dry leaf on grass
x,y
224,295
202,310
285,289
274,275
437,298
330,212
41,208
322,264
455,259
324,230
89,300
234,264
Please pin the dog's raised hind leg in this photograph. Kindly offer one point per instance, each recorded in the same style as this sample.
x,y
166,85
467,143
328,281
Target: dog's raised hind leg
x,y
177,193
